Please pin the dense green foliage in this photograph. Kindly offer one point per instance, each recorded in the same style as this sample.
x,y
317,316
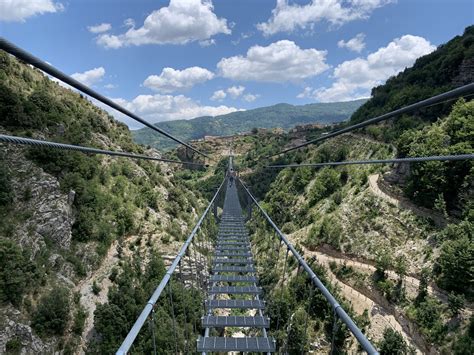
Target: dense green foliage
x,y
282,115
392,343
16,272
431,181
130,292
52,314
455,264
6,193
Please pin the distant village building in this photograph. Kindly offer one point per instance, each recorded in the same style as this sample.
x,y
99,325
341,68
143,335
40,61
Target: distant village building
x,y
302,128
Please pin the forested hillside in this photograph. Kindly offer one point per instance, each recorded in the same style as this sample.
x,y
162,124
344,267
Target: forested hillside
x,y
71,224
282,115
400,236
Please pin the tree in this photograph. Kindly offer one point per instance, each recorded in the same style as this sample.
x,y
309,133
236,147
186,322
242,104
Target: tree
x,y
392,343
440,185
455,303
456,262
423,286
16,271
52,314
6,192
327,182
465,342
297,337
401,266
383,263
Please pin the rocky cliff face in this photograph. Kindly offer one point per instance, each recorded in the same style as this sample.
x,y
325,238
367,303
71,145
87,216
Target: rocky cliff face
x,y
466,73
38,194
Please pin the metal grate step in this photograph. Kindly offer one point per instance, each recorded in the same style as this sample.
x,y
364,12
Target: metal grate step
x,y
236,290
232,248
259,344
242,261
236,321
226,268
240,304
233,278
233,243
236,237
228,253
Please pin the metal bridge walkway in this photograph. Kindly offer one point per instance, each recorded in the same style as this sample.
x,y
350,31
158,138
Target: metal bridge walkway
x,y
233,287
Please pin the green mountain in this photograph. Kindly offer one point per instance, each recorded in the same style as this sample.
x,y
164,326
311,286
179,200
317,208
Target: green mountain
x,y
282,115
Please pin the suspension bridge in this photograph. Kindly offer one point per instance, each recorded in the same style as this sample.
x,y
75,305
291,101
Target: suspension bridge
x,y
233,273
223,264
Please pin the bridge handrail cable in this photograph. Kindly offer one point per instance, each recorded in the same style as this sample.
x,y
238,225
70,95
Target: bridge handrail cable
x,y
48,144
437,99
379,161
29,58
133,333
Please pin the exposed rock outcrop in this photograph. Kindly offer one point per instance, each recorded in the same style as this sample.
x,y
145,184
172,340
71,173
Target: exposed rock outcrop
x,y
13,329
49,214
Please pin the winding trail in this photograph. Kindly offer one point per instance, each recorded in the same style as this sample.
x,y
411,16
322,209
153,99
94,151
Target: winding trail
x,y
404,203
380,317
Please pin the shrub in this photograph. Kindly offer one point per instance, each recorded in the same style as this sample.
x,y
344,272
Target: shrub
x,y
455,303
456,265
52,314
465,342
95,288
16,272
13,346
79,321
327,182
6,192
392,343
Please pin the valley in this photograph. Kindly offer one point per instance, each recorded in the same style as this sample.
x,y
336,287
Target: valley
x,y
86,239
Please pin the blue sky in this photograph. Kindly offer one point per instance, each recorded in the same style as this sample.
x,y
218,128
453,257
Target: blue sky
x,y
224,55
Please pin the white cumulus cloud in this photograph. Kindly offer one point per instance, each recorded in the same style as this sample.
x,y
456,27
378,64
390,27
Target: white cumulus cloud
x,y
279,62
157,108
180,22
289,17
236,91
218,95
90,77
355,78
171,80
355,44
20,10
250,97
103,27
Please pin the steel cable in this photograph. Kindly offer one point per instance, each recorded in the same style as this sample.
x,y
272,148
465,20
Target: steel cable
x,y
380,161
48,144
11,48
465,90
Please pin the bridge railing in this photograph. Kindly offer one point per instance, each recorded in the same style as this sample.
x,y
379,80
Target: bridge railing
x,y
338,311
194,257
